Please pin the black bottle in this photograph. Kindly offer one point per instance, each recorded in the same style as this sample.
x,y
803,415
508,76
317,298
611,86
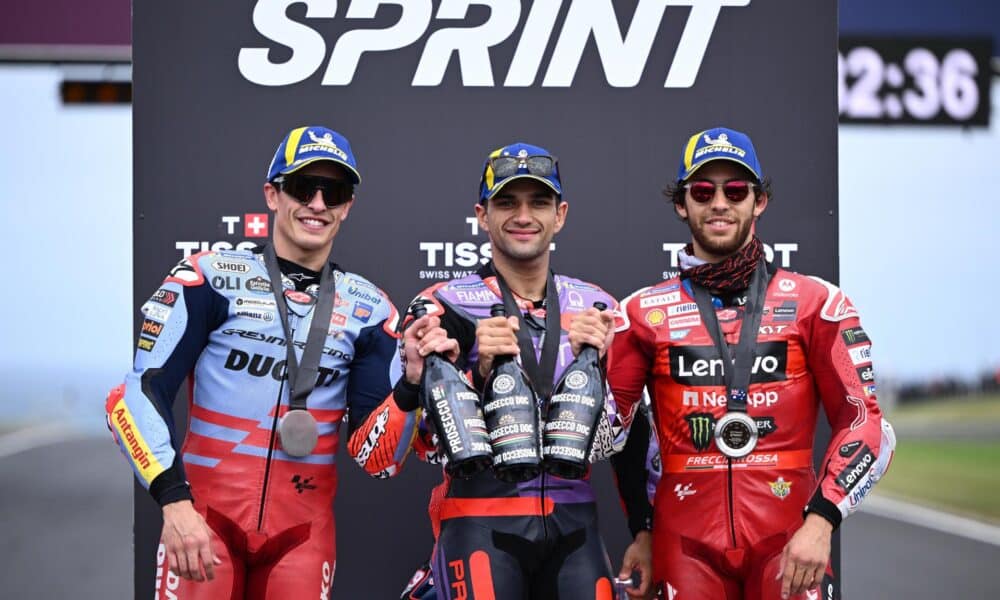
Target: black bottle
x,y
454,409
511,410
572,414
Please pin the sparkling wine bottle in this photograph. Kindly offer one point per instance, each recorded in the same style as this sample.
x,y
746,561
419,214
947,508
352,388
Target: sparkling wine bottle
x,y
454,409
572,414
511,410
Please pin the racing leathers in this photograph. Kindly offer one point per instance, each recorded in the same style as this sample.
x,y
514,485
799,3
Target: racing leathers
x,y
720,524
537,539
271,513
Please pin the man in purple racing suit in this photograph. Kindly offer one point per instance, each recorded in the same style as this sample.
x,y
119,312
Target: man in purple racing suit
x,y
537,539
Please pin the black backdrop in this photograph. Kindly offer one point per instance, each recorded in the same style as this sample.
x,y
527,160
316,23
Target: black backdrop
x,y
216,86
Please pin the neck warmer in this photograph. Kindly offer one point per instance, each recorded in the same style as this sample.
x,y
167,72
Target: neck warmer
x,y
729,275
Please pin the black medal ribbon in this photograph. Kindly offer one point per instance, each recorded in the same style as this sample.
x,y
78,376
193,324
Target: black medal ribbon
x,y
541,372
736,370
302,376
736,433
297,428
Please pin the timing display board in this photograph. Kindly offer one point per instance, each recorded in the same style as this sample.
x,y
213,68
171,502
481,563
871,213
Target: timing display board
x,y
915,80
424,89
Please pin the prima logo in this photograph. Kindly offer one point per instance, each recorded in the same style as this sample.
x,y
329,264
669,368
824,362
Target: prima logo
x,y
623,54
702,428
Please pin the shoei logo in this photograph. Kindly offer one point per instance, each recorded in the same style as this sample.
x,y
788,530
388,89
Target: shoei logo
x,y
622,54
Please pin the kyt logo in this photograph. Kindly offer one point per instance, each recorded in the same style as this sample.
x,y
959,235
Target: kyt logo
x,y
623,55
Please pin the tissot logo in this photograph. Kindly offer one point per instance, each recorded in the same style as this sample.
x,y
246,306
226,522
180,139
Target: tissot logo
x,y
701,365
622,54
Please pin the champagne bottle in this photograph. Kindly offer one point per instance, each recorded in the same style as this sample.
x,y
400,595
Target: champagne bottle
x,y
572,414
454,409
511,410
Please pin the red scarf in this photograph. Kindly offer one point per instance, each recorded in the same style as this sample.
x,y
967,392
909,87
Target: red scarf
x,y
729,275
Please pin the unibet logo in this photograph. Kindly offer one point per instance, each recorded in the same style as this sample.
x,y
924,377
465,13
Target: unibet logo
x,y
622,54
702,427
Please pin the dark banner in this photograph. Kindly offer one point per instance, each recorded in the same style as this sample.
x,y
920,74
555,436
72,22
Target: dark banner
x,y
424,90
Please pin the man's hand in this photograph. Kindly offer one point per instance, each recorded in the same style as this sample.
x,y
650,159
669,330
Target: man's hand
x,y
804,559
592,327
424,336
188,542
639,557
496,336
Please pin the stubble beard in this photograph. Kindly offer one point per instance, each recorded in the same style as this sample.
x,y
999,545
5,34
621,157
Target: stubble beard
x,y
722,247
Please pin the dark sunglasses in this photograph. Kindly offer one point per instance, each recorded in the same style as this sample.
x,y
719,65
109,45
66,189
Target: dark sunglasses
x,y
735,191
505,166
304,187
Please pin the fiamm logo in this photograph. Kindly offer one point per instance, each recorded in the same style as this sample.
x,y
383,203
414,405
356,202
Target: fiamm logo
x,y
623,54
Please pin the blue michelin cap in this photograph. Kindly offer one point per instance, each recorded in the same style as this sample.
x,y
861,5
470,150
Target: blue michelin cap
x,y
490,184
306,145
720,143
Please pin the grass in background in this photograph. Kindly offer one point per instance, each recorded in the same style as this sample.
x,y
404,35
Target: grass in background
x,y
950,409
948,456
957,476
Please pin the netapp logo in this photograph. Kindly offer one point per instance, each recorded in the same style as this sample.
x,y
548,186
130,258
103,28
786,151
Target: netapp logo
x,y
623,55
701,365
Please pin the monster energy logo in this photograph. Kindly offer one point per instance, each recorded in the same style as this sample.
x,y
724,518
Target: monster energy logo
x,y
855,335
702,426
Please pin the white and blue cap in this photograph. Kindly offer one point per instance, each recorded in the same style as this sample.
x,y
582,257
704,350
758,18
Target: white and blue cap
x,y
306,145
720,143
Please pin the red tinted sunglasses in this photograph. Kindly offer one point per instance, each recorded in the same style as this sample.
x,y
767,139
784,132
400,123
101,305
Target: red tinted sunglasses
x,y
735,190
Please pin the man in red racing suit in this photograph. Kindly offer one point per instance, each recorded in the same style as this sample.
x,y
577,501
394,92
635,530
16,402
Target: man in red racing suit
x,y
733,527
242,516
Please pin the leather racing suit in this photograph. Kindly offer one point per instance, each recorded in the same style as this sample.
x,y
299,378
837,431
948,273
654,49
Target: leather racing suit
x,y
537,539
271,513
721,524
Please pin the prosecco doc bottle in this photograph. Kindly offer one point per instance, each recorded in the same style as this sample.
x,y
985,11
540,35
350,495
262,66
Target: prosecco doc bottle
x,y
454,408
511,410
572,414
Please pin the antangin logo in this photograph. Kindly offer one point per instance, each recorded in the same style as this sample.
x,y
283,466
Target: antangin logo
x,y
623,55
702,428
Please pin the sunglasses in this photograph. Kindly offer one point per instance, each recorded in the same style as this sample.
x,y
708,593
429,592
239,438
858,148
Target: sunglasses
x,y
505,166
735,190
303,189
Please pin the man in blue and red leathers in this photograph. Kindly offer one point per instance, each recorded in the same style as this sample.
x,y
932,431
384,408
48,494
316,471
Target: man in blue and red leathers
x,y
734,527
242,516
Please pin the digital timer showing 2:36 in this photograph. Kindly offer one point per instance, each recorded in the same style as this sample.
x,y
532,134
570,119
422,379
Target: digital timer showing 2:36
x,y
937,81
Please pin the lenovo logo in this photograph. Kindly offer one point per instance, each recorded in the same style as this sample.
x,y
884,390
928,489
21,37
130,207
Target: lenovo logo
x,y
701,365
